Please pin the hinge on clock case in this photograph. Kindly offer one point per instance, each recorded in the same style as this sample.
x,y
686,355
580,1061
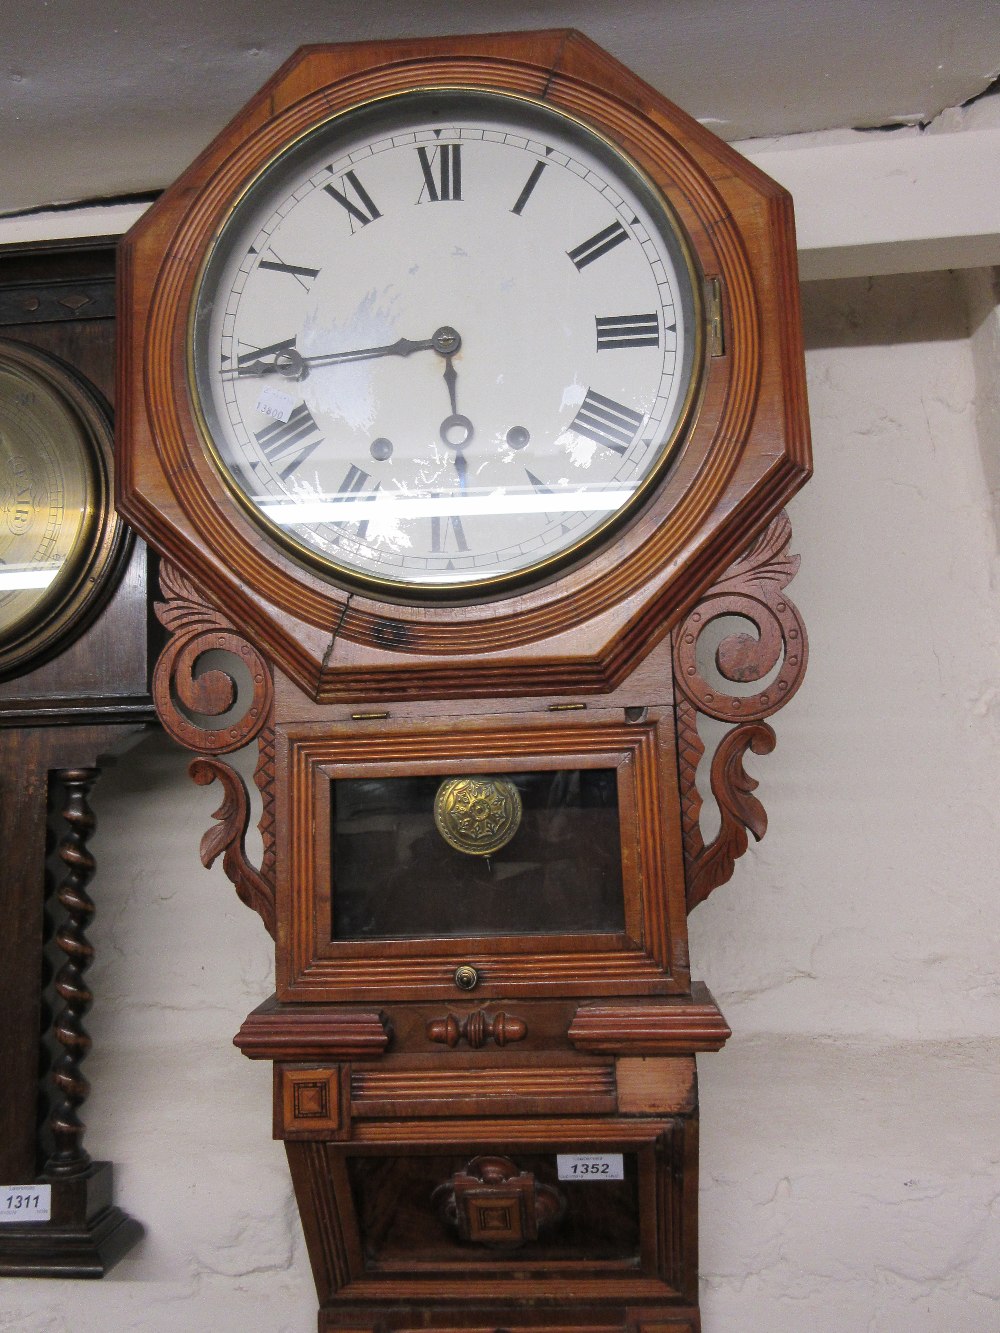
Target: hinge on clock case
x,y
713,305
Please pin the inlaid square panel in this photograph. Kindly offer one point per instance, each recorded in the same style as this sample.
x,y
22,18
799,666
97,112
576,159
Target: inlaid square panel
x,y
308,1102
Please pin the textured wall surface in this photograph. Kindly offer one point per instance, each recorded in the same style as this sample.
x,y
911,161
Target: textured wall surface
x,y
100,100
851,1140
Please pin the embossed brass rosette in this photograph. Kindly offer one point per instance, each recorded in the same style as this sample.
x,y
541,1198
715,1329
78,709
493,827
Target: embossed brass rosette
x,y
477,815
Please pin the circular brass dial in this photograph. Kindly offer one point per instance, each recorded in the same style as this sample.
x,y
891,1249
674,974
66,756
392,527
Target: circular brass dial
x,y
59,536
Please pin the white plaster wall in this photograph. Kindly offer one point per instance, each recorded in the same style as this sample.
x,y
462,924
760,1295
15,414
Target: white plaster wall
x,y
851,1140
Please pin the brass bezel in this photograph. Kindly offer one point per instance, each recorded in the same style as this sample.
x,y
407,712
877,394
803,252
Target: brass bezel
x,y
412,593
97,556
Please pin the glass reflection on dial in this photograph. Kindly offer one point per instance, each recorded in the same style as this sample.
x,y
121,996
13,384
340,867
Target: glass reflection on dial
x,y
46,495
446,340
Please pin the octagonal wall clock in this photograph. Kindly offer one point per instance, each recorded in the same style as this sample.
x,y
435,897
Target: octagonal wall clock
x,y
461,387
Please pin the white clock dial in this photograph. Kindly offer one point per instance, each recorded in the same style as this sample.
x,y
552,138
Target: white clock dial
x,y
446,341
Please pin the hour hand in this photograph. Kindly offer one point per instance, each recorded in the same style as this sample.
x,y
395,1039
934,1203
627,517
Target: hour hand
x,y
292,365
286,362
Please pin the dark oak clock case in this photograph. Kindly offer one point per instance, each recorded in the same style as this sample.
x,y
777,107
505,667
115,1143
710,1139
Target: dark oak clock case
x,y
76,695
436,1049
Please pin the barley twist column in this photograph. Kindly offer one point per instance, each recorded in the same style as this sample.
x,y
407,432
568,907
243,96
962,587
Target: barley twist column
x,y
69,1157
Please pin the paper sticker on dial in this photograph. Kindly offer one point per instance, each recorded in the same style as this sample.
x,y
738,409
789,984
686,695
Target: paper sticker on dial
x,y
490,326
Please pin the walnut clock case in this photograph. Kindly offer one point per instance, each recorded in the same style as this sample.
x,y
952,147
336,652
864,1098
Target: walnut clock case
x,y
461,388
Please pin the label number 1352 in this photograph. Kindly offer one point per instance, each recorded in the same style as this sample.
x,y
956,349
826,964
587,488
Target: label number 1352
x,y
590,1166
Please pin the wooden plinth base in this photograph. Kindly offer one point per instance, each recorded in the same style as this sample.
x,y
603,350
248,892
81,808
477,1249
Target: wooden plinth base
x,y
500,1319
85,1238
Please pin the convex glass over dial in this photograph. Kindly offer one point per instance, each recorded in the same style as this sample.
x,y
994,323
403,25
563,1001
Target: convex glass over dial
x,y
446,341
59,537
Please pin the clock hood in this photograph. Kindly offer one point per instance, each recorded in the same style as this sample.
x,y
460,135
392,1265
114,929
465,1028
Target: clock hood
x,y
586,625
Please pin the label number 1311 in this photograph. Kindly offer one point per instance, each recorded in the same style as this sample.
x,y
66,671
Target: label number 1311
x,y
26,1203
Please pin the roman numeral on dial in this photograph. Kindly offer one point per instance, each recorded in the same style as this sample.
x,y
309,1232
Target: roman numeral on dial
x,y
256,353
289,440
627,331
599,244
606,422
529,185
442,171
355,481
540,488
302,275
537,483
443,530
355,200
